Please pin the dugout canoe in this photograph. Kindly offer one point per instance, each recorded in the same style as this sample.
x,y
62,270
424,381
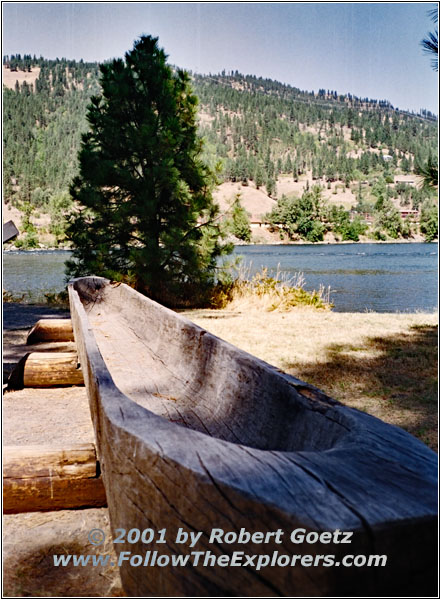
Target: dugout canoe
x,y
196,434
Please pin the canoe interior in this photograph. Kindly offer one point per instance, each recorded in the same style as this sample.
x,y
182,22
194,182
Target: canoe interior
x,y
179,371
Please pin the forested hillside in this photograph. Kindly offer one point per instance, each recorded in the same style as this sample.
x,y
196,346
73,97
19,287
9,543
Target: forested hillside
x,y
262,128
302,155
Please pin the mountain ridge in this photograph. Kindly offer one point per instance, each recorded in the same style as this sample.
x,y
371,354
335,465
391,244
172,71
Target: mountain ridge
x,y
270,137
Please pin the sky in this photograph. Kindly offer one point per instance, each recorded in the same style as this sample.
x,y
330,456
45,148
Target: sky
x,y
368,49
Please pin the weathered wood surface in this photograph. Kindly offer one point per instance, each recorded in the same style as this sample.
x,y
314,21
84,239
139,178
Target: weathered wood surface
x,y
195,433
42,478
51,330
10,231
46,369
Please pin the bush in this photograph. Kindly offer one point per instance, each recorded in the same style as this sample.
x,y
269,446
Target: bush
x,y
313,231
269,293
354,230
342,225
301,215
29,242
429,221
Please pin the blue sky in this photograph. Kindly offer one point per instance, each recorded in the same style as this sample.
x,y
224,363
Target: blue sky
x,y
368,49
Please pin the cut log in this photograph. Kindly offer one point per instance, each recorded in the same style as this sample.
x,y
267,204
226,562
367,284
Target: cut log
x,y
46,369
12,375
40,478
51,330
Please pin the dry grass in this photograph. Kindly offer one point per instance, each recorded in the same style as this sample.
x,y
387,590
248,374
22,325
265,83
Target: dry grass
x,y
255,202
383,364
261,292
10,77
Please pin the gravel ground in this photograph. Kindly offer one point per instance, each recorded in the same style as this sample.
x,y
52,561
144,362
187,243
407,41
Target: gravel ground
x,y
58,416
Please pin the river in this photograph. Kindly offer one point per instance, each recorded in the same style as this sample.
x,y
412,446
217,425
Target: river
x,y
376,277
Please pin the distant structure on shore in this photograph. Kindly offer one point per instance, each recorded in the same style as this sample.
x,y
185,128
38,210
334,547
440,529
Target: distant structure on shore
x,y
10,231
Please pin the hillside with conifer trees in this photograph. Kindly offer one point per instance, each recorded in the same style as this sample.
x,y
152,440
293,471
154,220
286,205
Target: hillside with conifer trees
x,y
322,162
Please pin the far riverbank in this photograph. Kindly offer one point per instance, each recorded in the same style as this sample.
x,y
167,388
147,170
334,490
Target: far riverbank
x,y
237,242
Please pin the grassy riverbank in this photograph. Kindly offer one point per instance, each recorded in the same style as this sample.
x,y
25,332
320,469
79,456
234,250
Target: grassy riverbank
x,y
382,363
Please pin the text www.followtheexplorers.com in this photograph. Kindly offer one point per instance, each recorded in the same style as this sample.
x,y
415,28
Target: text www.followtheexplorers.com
x,y
209,559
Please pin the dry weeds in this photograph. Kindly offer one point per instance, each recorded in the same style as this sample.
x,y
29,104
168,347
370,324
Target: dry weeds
x,y
262,292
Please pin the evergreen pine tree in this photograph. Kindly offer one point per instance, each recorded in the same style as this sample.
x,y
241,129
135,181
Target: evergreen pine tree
x,y
145,195
259,177
240,222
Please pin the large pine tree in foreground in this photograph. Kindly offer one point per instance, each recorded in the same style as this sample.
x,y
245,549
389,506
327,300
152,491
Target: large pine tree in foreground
x,y
145,208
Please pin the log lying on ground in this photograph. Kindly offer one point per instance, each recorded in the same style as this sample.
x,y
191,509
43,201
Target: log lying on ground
x,y
12,355
51,347
41,478
51,330
46,369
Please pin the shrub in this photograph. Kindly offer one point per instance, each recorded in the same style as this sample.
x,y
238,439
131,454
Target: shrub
x,y
429,221
269,293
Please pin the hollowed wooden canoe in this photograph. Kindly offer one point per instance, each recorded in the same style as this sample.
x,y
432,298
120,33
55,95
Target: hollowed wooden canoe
x,y
194,433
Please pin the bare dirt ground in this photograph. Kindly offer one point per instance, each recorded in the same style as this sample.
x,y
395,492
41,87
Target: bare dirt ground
x,y
10,213
58,416
30,540
255,202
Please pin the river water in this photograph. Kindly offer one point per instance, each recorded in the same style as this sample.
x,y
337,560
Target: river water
x,y
377,277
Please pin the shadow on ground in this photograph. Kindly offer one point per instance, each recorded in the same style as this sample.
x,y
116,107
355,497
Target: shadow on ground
x,y
17,315
30,541
34,574
394,378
